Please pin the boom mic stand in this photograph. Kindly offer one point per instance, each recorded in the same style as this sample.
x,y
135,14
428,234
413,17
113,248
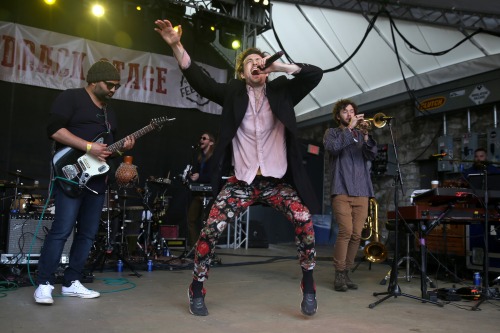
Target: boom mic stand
x,y
485,293
393,289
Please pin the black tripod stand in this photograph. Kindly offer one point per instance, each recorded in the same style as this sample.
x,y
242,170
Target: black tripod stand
x,y
109,248
394,290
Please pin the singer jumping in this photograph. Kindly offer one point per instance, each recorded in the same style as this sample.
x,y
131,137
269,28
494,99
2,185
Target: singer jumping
x,y
350,149
77,117
258,133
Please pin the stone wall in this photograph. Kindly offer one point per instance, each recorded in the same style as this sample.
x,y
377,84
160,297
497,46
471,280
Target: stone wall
x,y
416,139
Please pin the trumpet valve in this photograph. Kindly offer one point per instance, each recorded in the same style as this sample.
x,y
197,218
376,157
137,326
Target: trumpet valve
x,y
364,125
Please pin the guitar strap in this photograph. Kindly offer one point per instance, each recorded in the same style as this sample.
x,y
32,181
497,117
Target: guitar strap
x,y
106,122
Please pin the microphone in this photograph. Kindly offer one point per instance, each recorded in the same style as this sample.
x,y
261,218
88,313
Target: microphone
x,y
269,61
196,146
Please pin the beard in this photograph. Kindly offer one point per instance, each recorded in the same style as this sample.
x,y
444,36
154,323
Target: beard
x,y
343,122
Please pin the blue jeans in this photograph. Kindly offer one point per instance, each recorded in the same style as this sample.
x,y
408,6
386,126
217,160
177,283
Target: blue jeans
x,y
83,212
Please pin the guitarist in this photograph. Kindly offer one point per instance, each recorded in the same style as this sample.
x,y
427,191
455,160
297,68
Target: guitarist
x,y
77,117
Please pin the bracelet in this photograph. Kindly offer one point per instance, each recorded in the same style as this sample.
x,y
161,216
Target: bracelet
x,y
89,146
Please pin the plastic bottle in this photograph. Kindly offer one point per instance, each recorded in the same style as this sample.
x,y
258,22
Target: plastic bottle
x,y
119,266
166,251
150,265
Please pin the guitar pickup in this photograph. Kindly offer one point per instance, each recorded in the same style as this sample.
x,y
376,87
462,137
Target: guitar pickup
x,y
103,168
84,164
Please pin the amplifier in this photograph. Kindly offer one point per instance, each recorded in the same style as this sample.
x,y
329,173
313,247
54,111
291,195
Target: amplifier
x,y
476,251
21,231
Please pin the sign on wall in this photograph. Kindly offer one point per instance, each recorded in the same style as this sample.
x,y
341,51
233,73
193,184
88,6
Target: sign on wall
x,y
474,92
52,60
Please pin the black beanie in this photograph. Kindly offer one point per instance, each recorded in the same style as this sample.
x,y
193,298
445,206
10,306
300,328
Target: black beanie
x,y
102,71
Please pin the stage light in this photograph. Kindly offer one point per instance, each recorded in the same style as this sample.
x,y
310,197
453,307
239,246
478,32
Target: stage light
x,y
229,39
204,26
49,2
260,3
98,10
231,34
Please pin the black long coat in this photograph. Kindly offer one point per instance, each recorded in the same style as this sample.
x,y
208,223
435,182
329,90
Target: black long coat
x,y
283,94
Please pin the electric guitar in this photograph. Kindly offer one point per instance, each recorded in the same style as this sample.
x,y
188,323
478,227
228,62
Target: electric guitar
x,y
73,170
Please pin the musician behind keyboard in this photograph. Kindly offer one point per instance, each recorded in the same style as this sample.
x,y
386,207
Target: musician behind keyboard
x,y
200,173
481,164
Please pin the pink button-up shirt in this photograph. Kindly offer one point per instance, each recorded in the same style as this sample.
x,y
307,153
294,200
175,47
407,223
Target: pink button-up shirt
x,y
259,141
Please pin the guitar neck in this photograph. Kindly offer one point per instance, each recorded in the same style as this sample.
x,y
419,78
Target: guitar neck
x,y
119,144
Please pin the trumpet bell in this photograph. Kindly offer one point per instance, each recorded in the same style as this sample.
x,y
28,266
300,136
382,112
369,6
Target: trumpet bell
x,y
378,120
375,252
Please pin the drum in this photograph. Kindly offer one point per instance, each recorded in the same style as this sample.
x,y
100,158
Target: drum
x,y
110,205
160,207
26,203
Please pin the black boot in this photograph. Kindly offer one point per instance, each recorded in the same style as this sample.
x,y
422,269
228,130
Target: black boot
x,y
339,284
348,282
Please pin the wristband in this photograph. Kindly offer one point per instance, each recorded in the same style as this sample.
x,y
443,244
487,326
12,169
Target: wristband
x,y
89,146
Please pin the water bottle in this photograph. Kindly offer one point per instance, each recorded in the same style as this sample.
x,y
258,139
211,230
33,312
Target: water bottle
x,y
150,265
166,251
119,266
477,279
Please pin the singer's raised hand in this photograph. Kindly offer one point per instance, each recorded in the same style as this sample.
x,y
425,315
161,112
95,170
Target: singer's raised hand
x,y
167,31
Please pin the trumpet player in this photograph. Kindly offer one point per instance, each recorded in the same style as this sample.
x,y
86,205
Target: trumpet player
x,y
350,148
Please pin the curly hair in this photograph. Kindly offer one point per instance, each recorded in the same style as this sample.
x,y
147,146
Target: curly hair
x,y
340,105
241,57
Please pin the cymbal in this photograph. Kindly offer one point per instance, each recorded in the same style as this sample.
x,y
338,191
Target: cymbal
x,y
18,173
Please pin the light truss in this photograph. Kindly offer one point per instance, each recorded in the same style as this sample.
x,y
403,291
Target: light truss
x,y
257,18
471,18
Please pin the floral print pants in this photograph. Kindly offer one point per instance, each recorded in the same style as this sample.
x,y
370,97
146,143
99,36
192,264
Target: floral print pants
x,y
234,198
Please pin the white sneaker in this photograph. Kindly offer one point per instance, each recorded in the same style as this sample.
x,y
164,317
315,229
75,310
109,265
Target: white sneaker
x,y
77,289
43,294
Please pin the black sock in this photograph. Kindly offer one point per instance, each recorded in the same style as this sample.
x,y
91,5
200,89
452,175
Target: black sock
x,y
196,288
308,281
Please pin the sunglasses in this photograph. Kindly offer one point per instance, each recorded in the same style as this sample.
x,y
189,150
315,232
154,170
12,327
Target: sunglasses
x,y
111,85
204,138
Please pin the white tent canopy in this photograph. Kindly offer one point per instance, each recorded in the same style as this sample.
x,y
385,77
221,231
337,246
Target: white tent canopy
x,y
326,37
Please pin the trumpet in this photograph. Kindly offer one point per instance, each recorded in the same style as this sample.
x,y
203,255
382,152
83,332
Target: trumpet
x,y
367,124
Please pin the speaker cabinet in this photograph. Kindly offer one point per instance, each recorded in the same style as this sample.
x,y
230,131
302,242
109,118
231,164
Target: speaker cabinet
x,y
22,228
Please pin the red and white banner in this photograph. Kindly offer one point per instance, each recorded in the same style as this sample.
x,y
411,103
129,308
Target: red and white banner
x,y
48,59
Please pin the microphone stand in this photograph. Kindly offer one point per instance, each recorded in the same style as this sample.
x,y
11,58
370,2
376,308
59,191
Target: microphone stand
x,y
485,293
393,289
109,249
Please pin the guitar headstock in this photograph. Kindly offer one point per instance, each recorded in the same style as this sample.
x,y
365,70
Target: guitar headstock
x,y
158,122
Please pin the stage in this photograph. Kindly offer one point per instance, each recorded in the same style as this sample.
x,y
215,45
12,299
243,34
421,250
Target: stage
x,y
254,290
